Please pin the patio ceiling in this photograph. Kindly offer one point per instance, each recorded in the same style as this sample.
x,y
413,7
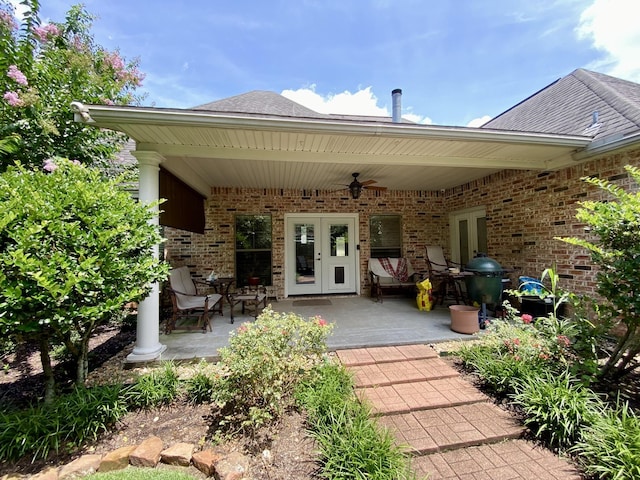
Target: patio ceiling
x,y
207,149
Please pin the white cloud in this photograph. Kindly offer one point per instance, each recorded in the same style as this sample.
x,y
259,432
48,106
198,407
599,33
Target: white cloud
x,y
612,27
478,122
361,102
415,118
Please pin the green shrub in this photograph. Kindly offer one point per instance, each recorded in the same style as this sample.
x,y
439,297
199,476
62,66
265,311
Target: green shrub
x,y
158,387
512,351
610,447
264,361
69,421
351,444
557,407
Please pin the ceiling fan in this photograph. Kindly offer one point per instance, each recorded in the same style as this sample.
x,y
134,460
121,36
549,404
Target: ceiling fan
x,y
355,187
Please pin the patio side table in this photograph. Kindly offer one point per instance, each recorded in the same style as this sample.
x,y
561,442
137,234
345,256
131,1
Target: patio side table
x,y
253,298
222,286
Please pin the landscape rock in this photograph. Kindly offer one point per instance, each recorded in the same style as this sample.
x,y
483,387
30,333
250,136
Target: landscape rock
x,y
147,454
232,467
178,454
116,460
82,466
49,473
205,461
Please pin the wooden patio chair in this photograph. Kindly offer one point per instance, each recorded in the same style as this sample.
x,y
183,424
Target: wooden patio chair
x,y
187,303
443,275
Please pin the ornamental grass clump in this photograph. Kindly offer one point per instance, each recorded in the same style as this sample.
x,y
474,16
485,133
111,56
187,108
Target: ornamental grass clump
x,y
68,422
557,407
610,447
351,444
263,363
153,389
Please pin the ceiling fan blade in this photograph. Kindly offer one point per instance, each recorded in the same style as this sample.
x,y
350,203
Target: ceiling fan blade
x,y
368,182
380,189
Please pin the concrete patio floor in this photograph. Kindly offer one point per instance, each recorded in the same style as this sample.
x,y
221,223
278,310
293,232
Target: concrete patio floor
x,y
358,322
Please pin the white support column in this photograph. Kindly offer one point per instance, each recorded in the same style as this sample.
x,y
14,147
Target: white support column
x,y
148,346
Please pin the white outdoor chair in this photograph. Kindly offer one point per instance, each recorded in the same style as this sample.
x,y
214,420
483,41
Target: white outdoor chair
x,y
187,303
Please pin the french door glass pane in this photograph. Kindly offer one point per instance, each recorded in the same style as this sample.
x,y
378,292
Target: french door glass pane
x,y
464,242
482,234
339,238
305,240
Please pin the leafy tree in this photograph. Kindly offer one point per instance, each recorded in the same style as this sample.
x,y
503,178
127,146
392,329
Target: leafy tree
x,y
74,248
43,69
615,249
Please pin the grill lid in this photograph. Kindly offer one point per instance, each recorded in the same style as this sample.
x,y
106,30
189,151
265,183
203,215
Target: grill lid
x,y
483,264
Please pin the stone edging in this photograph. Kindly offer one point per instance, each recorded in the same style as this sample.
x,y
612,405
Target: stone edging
x,y
225,466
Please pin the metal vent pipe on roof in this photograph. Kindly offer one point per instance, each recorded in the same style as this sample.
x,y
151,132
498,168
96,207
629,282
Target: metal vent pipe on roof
x,y
396,112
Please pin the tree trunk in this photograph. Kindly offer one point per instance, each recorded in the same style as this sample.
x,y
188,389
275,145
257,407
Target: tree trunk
x,y
49,379
82,358
615,356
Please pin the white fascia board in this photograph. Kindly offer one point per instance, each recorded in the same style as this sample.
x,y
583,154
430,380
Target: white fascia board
x,y
106,116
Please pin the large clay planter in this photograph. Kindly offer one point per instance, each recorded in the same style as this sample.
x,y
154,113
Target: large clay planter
x,y
464,319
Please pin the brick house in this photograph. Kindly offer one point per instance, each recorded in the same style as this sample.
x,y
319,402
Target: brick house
x,y
257,185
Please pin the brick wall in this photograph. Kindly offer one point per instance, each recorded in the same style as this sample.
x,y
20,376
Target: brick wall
x,y
422,213
525,211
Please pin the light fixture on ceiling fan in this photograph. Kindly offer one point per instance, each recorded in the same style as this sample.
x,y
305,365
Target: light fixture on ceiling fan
x,y
356,187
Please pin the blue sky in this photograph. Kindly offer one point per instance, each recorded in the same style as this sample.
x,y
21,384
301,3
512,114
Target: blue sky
x,y
456,61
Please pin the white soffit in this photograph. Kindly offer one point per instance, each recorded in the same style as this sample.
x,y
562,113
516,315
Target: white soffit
x,y
208,150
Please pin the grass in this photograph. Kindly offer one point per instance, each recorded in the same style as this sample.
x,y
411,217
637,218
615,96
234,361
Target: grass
x,y
133,473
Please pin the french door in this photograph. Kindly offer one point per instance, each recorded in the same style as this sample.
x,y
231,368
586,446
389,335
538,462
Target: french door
x,y
468,234
321,254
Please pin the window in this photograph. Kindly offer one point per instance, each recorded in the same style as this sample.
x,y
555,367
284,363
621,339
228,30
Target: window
x,y
386,236
253,249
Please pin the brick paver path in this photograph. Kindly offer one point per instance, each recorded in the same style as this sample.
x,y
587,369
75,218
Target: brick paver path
x,y
451,428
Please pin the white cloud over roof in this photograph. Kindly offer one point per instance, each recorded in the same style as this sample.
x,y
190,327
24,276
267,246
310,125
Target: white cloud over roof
x,y
612,27
360,102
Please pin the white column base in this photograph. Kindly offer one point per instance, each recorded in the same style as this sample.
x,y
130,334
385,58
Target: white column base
x,y
148,346
141,357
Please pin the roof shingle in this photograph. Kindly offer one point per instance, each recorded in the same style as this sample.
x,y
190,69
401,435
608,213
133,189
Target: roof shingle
x,y
567,105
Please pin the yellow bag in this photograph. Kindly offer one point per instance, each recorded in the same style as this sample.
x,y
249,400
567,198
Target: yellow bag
x,y
424,298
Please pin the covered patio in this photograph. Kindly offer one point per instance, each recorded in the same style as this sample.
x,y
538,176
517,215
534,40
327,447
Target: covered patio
x,y
259,154
358,322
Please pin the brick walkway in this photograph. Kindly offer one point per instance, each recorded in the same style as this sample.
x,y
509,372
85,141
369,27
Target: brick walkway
x,y
452,429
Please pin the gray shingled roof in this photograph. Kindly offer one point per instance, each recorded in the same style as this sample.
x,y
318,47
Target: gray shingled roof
x,y
260,102
567,105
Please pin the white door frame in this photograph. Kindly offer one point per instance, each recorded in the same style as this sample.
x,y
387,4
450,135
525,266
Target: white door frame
x,y
471,215
288,244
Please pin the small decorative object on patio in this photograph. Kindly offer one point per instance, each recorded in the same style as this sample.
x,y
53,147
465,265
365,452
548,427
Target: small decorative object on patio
x,y
425,295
